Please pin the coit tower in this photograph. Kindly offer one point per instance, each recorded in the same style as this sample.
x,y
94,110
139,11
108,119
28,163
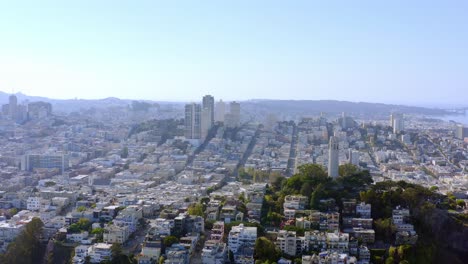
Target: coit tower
x,y
333,157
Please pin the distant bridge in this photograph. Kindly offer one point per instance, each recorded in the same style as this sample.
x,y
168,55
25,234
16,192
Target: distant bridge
x,y
458,111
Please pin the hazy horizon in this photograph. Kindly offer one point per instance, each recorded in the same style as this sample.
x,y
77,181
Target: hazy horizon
x,y
411,53
426,105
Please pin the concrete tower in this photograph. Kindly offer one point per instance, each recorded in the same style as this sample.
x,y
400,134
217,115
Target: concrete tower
x,y
13,105
193,121
234,109
397,122
205,122
333,152
220,111
208,103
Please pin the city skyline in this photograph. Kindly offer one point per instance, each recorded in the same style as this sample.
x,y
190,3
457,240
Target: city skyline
x,y
399,52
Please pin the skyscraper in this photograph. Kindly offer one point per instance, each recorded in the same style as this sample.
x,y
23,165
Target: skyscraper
x,y
333,151
208,102
220,111
193,121
12,106
233,118
397,122
205,122
461,132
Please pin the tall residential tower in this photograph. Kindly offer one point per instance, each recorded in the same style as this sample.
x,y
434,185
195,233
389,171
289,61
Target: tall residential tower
x,y
193,121
208,103
220,111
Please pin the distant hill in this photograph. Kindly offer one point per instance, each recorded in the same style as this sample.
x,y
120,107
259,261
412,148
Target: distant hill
x,y
333,106
283,106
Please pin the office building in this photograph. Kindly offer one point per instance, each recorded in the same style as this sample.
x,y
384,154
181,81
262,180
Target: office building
x,y
333,151
208,103
12,106
397,122
193,121
232,119
205,122
461,132
220,111
46,161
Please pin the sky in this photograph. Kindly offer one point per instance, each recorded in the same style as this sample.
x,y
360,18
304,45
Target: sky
x,y
411,52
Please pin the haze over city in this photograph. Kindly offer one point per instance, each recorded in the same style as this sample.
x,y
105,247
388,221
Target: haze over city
x,y
243,132
411,52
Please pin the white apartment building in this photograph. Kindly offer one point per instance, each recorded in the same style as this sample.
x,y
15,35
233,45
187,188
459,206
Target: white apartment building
x,y
116,234
289,243
100,252
214,252
297,202
129,217
241,235
337,242
33,203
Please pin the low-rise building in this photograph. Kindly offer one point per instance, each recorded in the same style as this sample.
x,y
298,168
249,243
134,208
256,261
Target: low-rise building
x,y
214,252
115,234
100,252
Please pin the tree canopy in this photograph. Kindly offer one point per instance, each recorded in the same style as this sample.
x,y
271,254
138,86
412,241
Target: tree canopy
x,y
265,250
26,248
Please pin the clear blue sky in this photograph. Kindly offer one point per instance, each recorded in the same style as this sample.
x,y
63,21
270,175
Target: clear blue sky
x,y
377,51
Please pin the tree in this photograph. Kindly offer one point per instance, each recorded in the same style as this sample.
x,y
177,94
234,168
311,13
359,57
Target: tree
x,y
26,248
347,169
81,209
265,250
124,153
161,260
12,211
317,194
49,184
196,209
306,189
118,257
82,225
312,171
98,232
170,240
205,200
384,229
116,250
242,197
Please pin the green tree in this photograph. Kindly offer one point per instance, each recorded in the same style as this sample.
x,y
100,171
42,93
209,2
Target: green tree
x,y
116,250
161,260
124,153
13,211
170,240
306,189
461,203
82,225
347,169
26,247
196,209
98,232
265,250
384,229
81,209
